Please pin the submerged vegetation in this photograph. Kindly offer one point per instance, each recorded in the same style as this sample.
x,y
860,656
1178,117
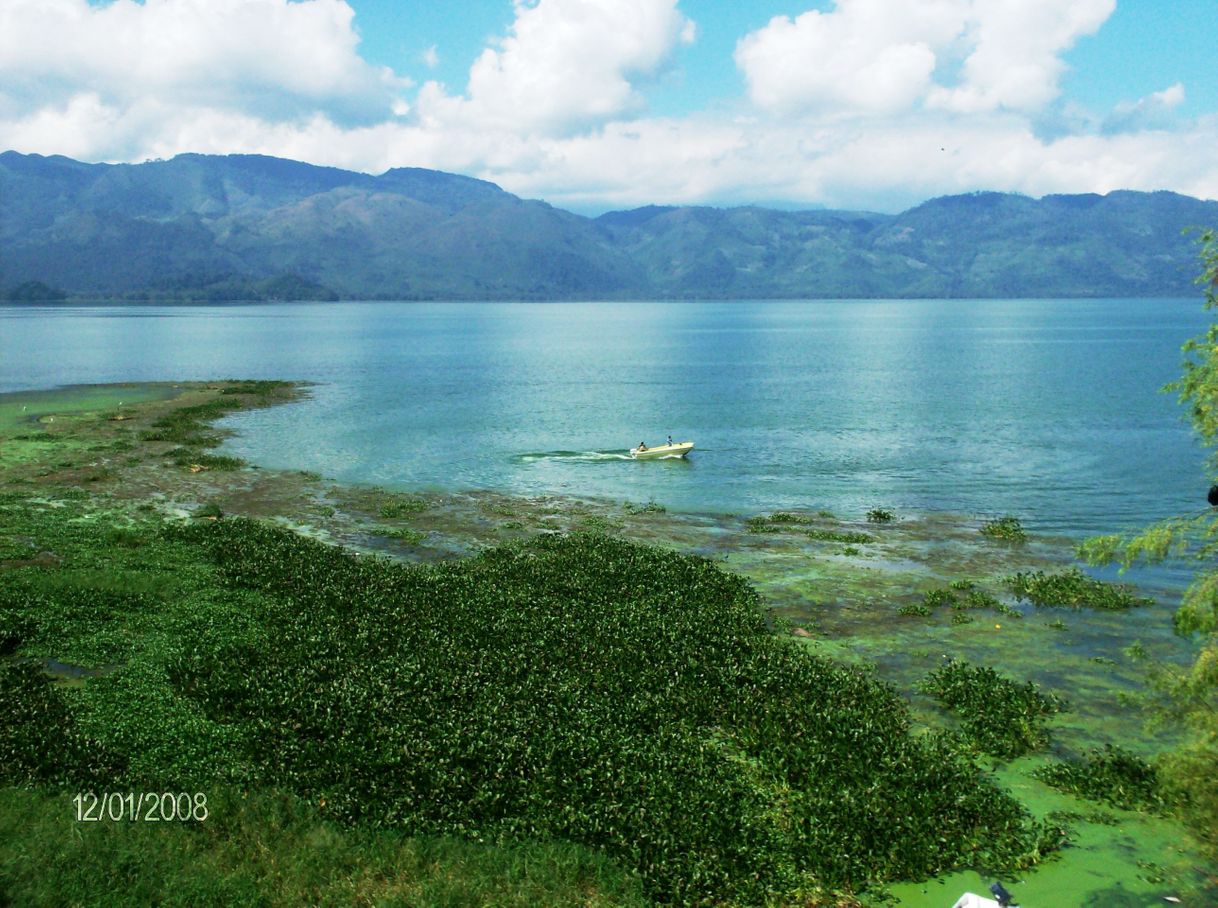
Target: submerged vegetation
x,y
998,715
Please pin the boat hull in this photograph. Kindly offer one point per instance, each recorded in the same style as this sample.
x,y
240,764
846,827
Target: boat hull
x,y
659,452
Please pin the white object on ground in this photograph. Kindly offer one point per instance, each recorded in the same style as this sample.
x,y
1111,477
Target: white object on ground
x,y
969,900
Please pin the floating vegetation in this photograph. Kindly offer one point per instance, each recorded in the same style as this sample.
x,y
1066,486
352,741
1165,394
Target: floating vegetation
x,y
999,716
209,509
835,536
982,599
1072,588
962,585
188,457
1006,528
401,506
1111,775
401,534
879,515
933,599
783,521
651,507
962,618
553,690
915,609
774,523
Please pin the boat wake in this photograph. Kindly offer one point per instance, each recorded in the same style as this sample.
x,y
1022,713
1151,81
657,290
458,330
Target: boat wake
x,y
572,456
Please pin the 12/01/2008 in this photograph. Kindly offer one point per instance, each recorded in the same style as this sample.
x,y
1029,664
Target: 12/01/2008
x,y
142,807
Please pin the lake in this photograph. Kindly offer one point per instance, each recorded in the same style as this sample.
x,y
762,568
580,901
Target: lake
x,y
1046,409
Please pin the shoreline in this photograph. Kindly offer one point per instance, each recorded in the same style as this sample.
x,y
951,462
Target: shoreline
x,y
834,596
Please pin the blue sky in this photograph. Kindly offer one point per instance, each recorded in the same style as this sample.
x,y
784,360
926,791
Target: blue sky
x,y
599,104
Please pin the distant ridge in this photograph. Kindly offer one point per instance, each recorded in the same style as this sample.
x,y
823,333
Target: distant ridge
x,y
254,227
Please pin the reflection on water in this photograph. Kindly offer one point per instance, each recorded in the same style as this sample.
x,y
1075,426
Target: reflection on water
x,y
1047,409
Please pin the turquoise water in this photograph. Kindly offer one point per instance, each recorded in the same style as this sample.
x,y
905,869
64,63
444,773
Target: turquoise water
x,y
1047,409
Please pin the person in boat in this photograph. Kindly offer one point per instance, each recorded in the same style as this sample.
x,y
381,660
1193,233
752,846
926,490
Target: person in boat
x,y
670,441
642,447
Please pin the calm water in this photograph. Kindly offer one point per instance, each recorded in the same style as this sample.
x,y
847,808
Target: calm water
x,y
1045,409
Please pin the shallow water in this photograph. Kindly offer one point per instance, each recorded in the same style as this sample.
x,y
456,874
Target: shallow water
x,y
1048,409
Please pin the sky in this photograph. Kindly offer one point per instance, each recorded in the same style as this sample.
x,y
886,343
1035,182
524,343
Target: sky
x,y
595,105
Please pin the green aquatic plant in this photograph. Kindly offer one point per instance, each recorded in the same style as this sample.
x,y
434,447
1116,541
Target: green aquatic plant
x,y
879,515
998,715
401,534
1072,588
981,599
401,506
1008,529
1111,775
651,507
915,609
933,599
208,509
555,690
836,536
961,584
188,457
783,521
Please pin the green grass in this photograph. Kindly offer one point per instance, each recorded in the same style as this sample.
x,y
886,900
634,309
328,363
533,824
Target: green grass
x,y
273,849
880,515
575,691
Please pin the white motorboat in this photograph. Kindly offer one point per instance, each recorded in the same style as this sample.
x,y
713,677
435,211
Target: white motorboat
x,y
677,449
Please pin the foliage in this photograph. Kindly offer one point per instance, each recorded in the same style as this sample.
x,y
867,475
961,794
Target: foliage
x,y
1072,588
36,292
879,515
999,716
1111,775
1008,529
1189,695
572,689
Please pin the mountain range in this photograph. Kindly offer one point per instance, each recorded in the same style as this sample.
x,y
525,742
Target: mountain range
x,y
236,227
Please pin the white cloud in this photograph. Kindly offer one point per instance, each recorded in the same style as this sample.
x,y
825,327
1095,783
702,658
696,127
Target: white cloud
x,y
1014,59
1152,112
880,56
566,64
868,105
271,58
431,57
